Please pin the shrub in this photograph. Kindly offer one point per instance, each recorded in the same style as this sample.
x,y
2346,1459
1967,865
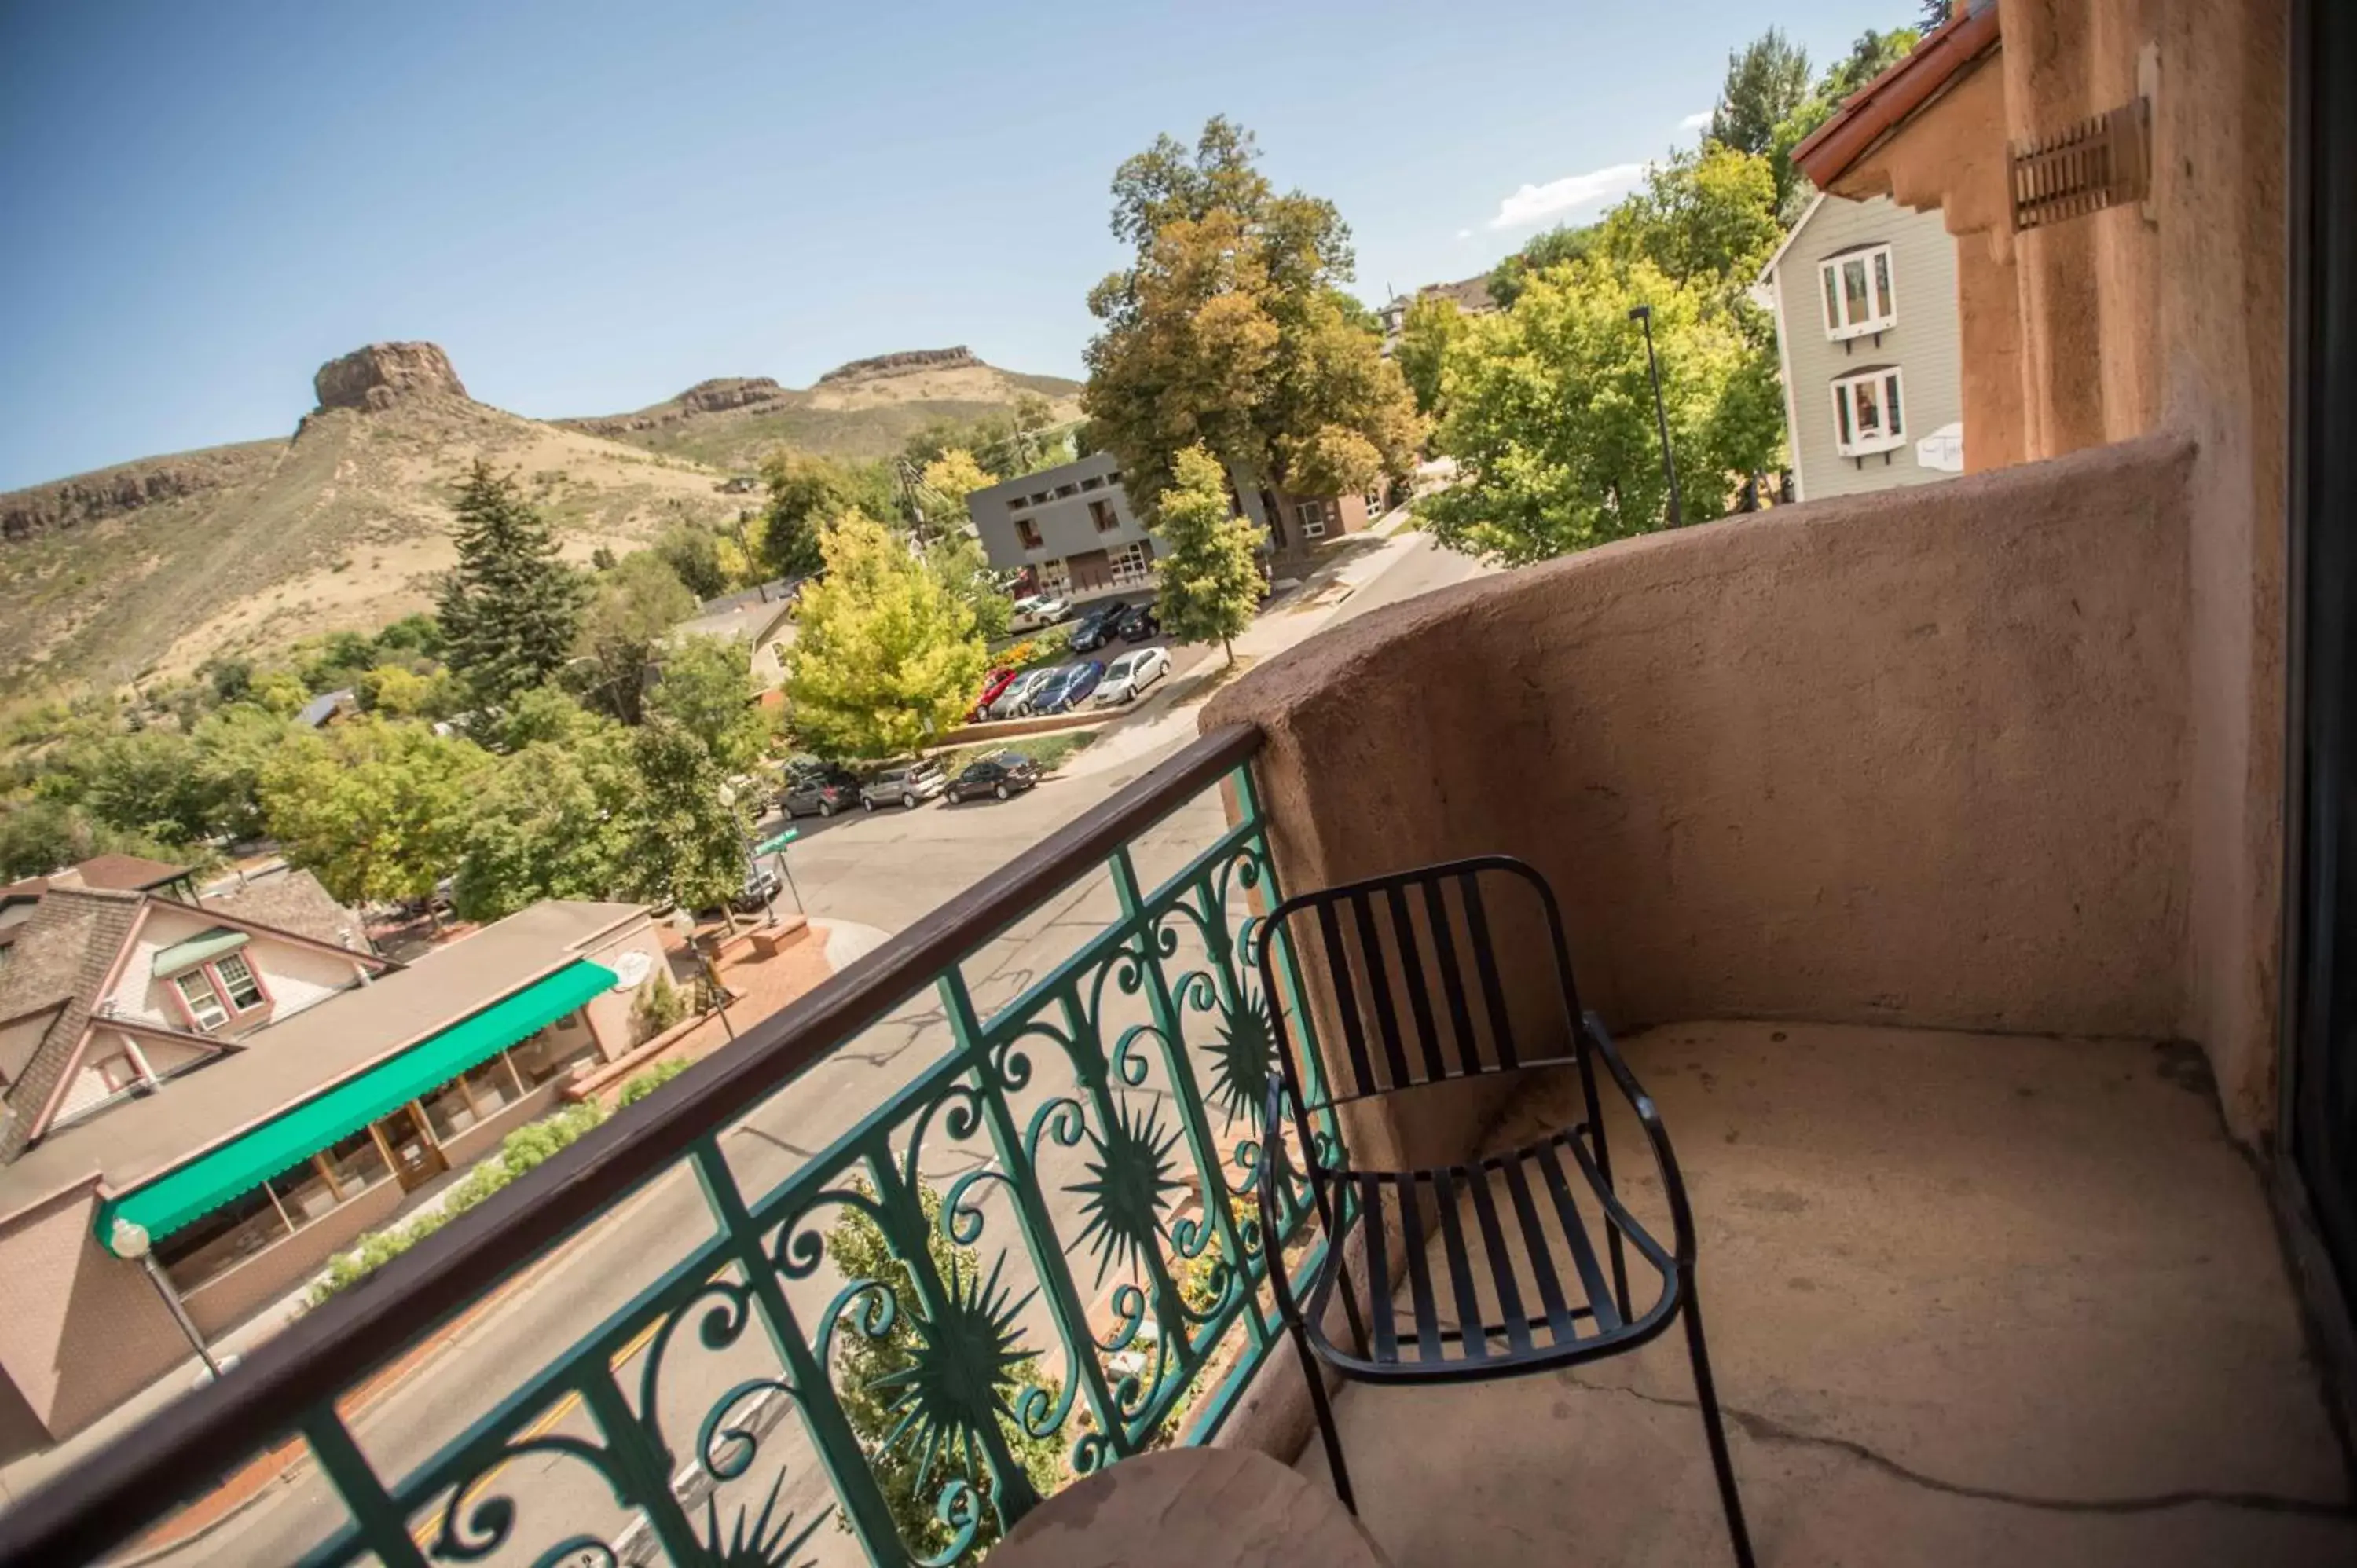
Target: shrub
x,y
660,1006
647,1082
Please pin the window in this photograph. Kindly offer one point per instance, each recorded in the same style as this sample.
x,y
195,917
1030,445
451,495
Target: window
x,y
1132,565
1312,517
1062,491
1103,516
206,1009
1016,503
237,980
1092,483
1027,529
1858,296
1055,578
356,1162
1114,478
1867,414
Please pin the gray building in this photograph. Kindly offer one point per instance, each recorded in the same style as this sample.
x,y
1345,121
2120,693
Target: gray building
x,y
1872,345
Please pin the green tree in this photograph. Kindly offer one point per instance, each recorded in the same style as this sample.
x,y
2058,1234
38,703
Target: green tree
x,y
377,809
1551,414
1705,218
958,561
887,657
683,844
1207,574
40,836
1556,246
234,744
1937,12
706,687
806,495
631,609
551,821
1433,323
1766,80
1231,329
1868,57
149,783
693,555
510,608
955,475
279,691
870,1377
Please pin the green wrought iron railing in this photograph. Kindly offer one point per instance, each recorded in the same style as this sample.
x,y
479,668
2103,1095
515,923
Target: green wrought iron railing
x,y
1037,1256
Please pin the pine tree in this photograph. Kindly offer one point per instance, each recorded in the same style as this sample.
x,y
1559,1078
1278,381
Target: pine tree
x,y
1209,570
510,608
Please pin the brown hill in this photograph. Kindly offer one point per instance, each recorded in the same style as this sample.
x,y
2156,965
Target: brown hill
x,y
864,409
151,567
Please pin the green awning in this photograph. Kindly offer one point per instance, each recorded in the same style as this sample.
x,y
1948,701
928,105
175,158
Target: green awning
x,y
188,1193
187,955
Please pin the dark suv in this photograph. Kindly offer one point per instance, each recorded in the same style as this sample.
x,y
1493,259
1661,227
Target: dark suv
x,y
820,790
1096,628
1000,774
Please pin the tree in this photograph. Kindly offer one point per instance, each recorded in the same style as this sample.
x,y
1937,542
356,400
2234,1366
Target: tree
x,y
1872,54
706,687
551,821
1231,329
1551,414
957,559
279,691
954,475
631,609
377,809
44,835
1433,323
808,493
1556,246
234,746
887,657
681,843
1766,80
1937,12
693,555
510,609
1706,218
149,783
1207,574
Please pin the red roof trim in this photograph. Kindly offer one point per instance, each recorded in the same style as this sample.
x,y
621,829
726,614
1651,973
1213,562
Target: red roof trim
x,y
1878,108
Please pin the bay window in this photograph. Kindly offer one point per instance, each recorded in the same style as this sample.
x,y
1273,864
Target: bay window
x,y
1869,416
1858,296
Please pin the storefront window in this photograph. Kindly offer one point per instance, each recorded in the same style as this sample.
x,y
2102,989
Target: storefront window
x,y
494,1084
553,1052
303,1193
221,1239
448,1112
357,1164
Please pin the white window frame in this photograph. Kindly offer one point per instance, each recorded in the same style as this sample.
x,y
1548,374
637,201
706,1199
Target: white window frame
x,y
230,985
1131,564
203,1000
1833,298
1890,433
1310,517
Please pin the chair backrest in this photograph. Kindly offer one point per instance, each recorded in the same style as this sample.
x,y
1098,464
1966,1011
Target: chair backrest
x,y
1432,974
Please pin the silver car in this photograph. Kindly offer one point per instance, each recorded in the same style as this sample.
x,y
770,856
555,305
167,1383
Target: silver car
x,y
1016,701
904,786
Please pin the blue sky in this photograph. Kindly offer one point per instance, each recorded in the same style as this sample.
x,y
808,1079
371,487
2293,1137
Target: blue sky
x,y
592,206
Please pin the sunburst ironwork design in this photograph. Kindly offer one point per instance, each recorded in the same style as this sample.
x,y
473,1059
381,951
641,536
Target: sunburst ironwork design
x,y
754,1543
966,1356
1125,1195
1244,1057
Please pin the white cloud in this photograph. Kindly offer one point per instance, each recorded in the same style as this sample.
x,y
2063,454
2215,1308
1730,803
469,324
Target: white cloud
x,y
1695,122
1465,233
1534,203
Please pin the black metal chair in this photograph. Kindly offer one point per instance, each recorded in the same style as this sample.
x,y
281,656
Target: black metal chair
x,y
1414,1014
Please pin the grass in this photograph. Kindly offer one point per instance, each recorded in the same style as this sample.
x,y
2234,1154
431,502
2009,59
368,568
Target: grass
x,y
1050,751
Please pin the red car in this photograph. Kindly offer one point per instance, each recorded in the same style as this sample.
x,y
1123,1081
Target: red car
x,y
1000,681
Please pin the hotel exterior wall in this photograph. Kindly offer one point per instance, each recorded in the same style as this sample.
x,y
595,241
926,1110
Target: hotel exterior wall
x,y
80,1330
1917,757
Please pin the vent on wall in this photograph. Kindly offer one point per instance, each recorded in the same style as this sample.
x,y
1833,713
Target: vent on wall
x,y
2103,161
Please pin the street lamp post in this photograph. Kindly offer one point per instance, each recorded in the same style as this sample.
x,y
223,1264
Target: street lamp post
x,y
684,924
1644,313
130,1240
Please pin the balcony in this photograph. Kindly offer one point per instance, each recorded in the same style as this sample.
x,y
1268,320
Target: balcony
x,y
1875,822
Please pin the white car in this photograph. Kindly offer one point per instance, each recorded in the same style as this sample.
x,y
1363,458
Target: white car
x,y
1127,679
1038,611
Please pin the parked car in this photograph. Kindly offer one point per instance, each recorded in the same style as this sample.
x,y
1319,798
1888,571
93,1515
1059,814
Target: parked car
x,y
1014,703
1128,677
820,791
1038,611
999,775
1068,694
1140,624
992,690
760,886
904,786
1095,628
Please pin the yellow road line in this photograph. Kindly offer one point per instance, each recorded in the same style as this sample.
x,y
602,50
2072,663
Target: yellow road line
x,y
423,1533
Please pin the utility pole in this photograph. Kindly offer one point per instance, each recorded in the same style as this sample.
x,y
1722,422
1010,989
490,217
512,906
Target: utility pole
x,y
1644,313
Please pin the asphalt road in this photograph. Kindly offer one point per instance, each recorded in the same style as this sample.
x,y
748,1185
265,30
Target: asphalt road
x,y
882,870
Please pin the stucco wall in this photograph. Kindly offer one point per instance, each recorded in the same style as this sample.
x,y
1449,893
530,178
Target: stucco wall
x,y
295,977
80,1329
1916,758
609,1011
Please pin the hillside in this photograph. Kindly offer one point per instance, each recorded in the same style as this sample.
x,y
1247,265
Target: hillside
x,y
865,409
151,567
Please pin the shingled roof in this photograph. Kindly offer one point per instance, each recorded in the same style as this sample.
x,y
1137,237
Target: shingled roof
x,y
289,901
60,962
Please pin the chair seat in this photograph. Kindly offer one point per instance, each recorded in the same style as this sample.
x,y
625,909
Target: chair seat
x,y
1509,1266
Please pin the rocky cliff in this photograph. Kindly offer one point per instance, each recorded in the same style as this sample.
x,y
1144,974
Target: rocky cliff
x,y
374,378
956,359
110,492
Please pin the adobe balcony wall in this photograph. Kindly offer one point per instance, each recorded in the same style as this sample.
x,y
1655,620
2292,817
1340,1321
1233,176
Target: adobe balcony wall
x,y
1917,757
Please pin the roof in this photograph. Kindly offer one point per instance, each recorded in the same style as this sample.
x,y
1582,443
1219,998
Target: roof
x,y
321,708
1882,106
118,872
289,901
63,955
277,1067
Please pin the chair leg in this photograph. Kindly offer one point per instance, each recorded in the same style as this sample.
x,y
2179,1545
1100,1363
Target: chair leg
x,y
1706,1394
1321,1403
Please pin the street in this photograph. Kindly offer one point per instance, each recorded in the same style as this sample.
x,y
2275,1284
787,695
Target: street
x,y
880,870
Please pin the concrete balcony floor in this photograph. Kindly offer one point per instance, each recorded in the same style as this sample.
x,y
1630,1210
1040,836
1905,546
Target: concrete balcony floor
x,y
1971,1300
